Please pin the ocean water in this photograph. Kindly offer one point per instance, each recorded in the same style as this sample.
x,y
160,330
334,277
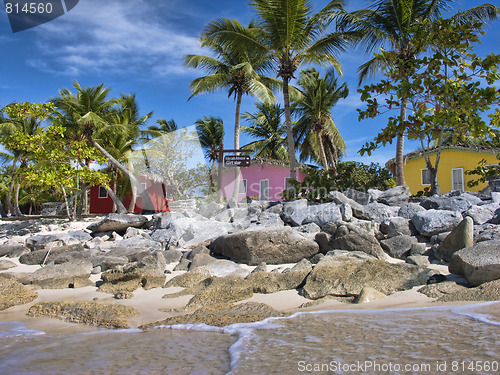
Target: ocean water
x,y
437,340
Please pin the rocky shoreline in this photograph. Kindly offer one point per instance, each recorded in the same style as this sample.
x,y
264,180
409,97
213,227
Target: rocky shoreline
x,y
225,263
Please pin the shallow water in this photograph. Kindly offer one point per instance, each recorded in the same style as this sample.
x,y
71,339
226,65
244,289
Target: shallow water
x,y
438,340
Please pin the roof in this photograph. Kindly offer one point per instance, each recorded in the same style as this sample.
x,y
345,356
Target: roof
x,y
390,165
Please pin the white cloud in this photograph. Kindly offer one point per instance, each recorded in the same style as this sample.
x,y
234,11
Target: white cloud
x,y
113,36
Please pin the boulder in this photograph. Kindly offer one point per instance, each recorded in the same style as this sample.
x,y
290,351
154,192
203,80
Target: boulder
x,y
224,267
396,226
347,276
486,232
172,256
478,264
482,214
321,214
358,241
54,240
339,198
12,250
395,196
106,262
218,290
376,212
164,219
270,245
189,279
346,211
6,264
295,212
369,294
452,292
90,313
190,231
407,210
14,293
118,223
134,248
433,221
73,274
39,256
459,238
451,203
211,209
358,196
399,246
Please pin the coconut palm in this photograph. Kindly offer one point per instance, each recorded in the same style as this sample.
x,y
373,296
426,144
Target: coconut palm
x,y
234,70
268,128
315,130
289,34
392,22
210,132
163,127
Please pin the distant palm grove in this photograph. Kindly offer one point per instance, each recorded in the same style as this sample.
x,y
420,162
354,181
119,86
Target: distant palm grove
x,y
287,58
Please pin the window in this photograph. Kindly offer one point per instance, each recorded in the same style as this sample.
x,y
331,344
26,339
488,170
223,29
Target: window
x,y
243,186
264,190
285,186
426,176
103,193
457,179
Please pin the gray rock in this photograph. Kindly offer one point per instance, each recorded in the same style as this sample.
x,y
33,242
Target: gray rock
x,y
38,256
191,231
275,209
358,241
106,262
118,223
376,212
311,228
183,265
358,196
197,250
267,219
45,241
482,214
134,248
339,198
418,249
407,210
347,276
59,276
164,219
223,268
295,212
6,264
212,209
172,256
270,245
432,221
399,246
200,260
478,264
346,211
419,260
395,196
486,232
459,238
323,239
12,250
451,203
396,226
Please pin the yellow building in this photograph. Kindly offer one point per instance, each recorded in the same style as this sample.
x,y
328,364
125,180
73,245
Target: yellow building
x,y
454,161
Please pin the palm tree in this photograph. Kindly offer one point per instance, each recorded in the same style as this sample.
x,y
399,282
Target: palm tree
x,y
211,136
392,22
315,128
164,126
269,130
289,34
235,70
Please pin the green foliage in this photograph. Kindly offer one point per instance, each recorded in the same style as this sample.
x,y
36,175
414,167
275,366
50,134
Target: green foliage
x,y
354,175
483,170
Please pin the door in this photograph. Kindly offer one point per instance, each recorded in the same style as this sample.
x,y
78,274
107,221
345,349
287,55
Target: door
x,y
264,190
457,179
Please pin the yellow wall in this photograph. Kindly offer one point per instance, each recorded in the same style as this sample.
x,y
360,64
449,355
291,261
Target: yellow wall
x,y
449,159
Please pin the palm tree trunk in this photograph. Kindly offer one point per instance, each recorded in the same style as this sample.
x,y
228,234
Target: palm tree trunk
x,y
126,172
289,133
120,208
10,207
322,154
237,172
400,177
16,201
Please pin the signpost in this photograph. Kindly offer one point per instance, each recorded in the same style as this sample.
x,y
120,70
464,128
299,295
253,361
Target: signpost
x,y
233,161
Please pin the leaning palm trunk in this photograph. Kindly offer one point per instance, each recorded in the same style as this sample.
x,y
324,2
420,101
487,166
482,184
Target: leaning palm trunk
x,y
322,154
10,207
289,133
120,208
237,172
400,177
16,201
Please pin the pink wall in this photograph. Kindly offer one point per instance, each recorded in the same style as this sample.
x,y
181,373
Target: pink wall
x,y
255,173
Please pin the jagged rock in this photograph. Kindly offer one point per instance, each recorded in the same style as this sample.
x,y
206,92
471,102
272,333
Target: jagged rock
x,y
12,250
164,219
217,290
191,231
376,212
54,240
311,228
200,260
340,198
38,256
396,226
90,313
106,262
323,239
395,196
183,265
482,214
295,212
358,241
132,232
478,264
134,248
73,274
432,221
347,276
418,260
14,293
418,249
399,246
452,292
148,274
271,282
459,238
270,245
212,209
407,210
118,223
346,211
451,203
358,196
369,294
172,256
197,250
189,279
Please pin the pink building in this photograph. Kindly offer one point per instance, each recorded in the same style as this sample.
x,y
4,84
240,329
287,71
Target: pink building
x,y
263,180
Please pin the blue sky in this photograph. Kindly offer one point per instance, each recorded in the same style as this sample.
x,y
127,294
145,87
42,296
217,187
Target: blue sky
x,y
136,46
